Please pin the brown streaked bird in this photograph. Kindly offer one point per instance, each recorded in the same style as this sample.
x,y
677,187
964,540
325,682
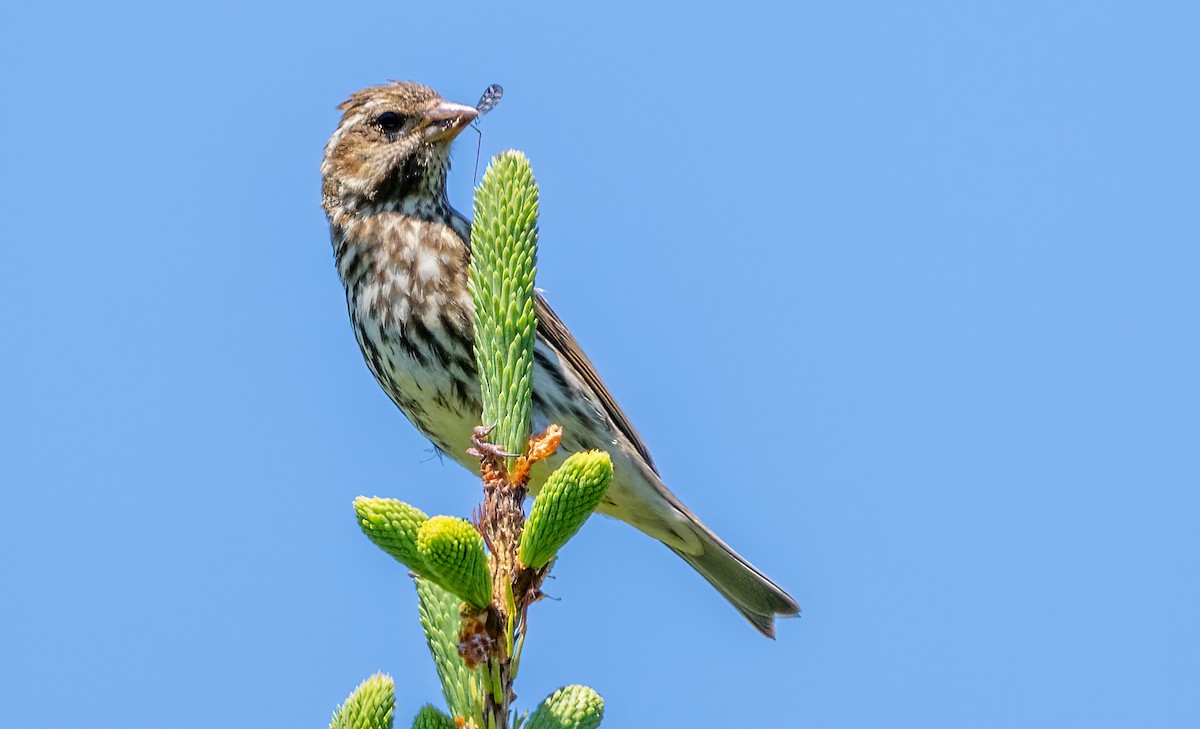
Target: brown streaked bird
x,y
402,253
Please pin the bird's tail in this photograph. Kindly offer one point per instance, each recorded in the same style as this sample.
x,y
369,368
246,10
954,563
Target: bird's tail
x,y
754,595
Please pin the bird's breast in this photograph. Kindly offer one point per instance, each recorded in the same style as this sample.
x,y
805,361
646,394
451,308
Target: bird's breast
x,y
407,295
408,267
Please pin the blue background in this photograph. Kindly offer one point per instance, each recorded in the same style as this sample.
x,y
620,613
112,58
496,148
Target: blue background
x,y
902,295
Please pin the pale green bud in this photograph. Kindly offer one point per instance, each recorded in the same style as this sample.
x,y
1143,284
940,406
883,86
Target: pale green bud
x,y
570,707
502,267
430,718
393,526
565,502
441,620
452,553
370,706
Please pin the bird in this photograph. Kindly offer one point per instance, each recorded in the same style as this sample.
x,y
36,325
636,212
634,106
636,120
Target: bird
x,y
402,254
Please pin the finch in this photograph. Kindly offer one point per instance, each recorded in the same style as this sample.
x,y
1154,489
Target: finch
x,y
402,252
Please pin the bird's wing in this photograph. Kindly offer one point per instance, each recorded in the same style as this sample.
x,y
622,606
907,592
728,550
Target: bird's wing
x,y
560,340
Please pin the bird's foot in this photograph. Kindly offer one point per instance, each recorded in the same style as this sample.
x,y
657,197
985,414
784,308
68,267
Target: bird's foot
x,y
491,457
480,448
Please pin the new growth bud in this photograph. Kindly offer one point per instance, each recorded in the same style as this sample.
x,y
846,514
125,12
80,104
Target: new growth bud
x,y
393,526
430,718
440,613
452,553
370,706
502,267
570,707
565,502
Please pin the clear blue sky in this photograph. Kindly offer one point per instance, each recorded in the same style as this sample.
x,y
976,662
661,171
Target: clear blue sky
x,y
904,297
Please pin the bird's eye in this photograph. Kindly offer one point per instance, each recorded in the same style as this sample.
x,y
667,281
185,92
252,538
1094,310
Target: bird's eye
x,y
389,121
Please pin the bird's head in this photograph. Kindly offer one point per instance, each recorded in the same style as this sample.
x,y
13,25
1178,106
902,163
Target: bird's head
x,y
393,142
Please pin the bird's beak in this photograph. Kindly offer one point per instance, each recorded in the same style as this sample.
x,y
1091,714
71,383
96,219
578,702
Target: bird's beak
x,y
447,119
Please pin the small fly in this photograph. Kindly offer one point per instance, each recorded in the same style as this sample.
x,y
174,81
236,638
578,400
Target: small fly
x,y
491,97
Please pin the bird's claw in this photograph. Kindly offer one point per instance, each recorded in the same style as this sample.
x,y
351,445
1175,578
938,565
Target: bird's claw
x,y
480,448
